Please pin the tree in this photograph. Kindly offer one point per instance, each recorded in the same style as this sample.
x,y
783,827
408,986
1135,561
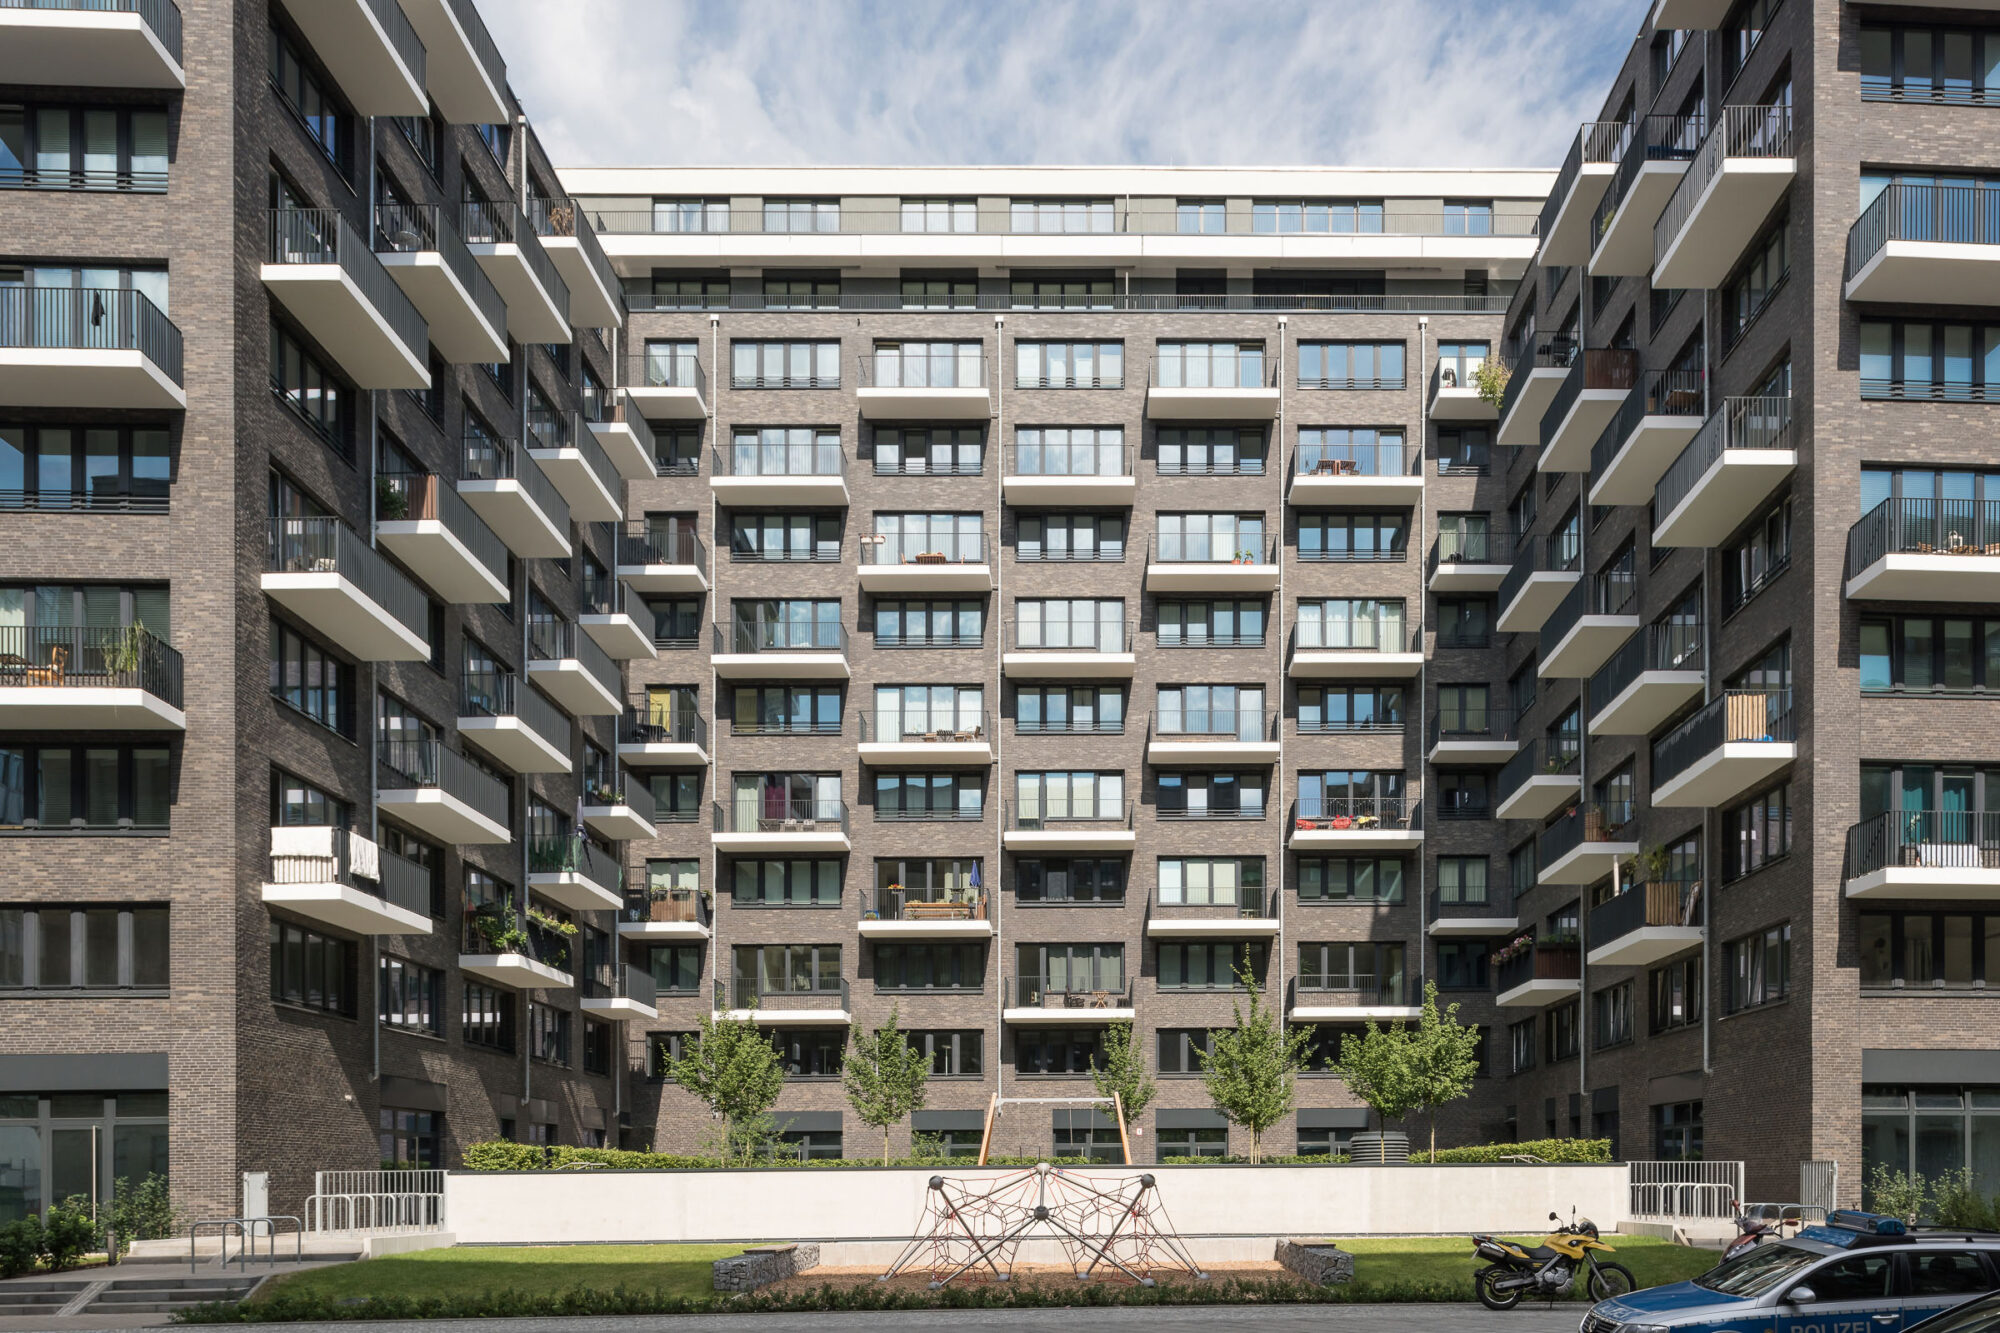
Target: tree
x,y
733,1069
885,1078
1251,1070
1376,1066
1123,1072
1443,1056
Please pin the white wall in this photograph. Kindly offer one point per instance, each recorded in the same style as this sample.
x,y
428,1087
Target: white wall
x,y
853,1204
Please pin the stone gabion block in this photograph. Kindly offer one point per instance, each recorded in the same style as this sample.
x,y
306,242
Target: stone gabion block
x,y
1319,1262
764,1265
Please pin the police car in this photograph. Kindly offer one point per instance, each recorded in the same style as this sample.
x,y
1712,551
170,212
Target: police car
x,y
1857,1273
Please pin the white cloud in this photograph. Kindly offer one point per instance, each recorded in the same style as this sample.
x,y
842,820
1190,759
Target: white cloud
x,y
1211,82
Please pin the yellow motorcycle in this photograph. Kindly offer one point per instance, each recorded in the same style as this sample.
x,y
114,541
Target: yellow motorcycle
x,y
1547,1270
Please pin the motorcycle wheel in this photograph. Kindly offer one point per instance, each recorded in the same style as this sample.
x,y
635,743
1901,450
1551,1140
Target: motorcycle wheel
x,y
1482,1286
1608,1280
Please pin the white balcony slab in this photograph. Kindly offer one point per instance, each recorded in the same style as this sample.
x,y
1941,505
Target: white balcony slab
x,y
620,823
628,441
784,842
329,305
1461,403
467,93
780,666
510,741
85,377
915,752
1379,838
825,492
1651,698
459,329
1536,600
1472,927
1646,945
530,531
1210,576
346,615
85,708
1064,1016
1587,862
936,929
1522,425
1057,664
664,578
1069,840
359,53
662,754
1625,249
80,48
345,907
1928,578
1349,664
1449,750
590,498
1355,1013
433,552
1568,449
1642,459
1326,490
939,403
1211,927
1689,15
1539,796
1735,486
516,970
574,891
1215,404
791,1018
927,578
1586,646
1955,881
1468,576
618,1009
592,305
534,313
1723,221
571,684
1724,773
668,402
1538,993
436,812
1189,752
1929,273
663,931
619,635
1083,492
1567,240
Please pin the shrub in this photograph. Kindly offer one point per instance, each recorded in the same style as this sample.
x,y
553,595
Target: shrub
x,y
1549,1150
142,1212
1955,1203
1895,1193
505,1156
68,1233
1269,1159
20,1246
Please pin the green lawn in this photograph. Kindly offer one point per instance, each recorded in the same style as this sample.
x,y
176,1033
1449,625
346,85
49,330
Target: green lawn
x,y
537,1270
1407,1260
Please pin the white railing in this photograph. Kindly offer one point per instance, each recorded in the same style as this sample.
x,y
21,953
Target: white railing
x,y
1683,1190
376,1201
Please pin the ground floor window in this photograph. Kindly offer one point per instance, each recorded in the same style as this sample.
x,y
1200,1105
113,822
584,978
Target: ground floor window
x,y
410,1138
1321,1141
809,1144
62,1143
946,1142
1930,1131
1193,1143
1677,1132
539,1134
1099,1145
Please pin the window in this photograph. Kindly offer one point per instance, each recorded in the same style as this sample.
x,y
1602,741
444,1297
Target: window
x,y
596,1054
1070,451
787,969
412,997
1070,538
1351,365
1462,880
1211,451
1466,217
409,1139
85,467
1464,451
1212,710
795,625
1611,1015
1210,624
82,148
1096,624
1040,796
1922,359
801,289
1208,965
675,968
1764,553
1677,1132
1061,215
1367,795
676,450
802,709
675,621
1199,217
314,393
548,1033
1051,972
49,947
1211,881
908,538
1069,365
1350,708
299,86
1929,655
934,451
1521,1040
954,1053
312,970
1757,832
1182,1050
1211,795
1339,536
801,215
1069,709
1933,1130
1362,623
1335,216
930,965
1065,289
1461,964
690,215
1352,451
1667,48
55,789
1746,294
1465,622
784,365
1926,64
959,623
311,680
929,796
1562,1031
1057,1050
487,1016
1069,880
1225,365
797,882
1675,995
1464,794
1350,879
1757,969
791,537
1929,950
1374,971
950,289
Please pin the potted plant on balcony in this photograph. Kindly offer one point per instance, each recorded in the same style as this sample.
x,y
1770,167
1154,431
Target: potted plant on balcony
x,y
1512,949
1490,378
129,649
497,928
392,502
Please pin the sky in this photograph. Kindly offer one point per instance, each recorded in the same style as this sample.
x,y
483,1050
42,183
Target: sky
x,y
1409,83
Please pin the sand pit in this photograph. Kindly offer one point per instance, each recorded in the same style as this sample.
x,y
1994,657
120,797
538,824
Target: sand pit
x,y
1025,1275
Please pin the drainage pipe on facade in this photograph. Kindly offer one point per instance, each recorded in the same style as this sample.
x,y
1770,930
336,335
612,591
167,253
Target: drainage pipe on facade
x,y
374,518
1276,445
996,446
716,606
1424,667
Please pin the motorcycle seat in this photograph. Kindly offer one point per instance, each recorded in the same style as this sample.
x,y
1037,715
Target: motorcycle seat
x,y
1541,1253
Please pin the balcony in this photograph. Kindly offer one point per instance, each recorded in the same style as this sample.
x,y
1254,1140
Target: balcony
x,y
439,792
572,873
1455,393
1926,245
1646,924
952,561
512,722
463,70
1058,827
1532,974
947,383
1926,551
1471,735
1062,1002
1364,997
1742,169
510,491
894,743
1726,473
1656,157
1928,855
321,571
745,1001
621,428
423,522
619,623
91,44
1199,562
1538,371
1357,823
1649,679
571,669
1690,15
372,52
750,475
1381,649
1212,388
1580,184
70,678
1471,918
1200,737
1540,780
1478,561
322,271
1586,844
654,559
498,947
780,826
1600,379
87,347
1589,625
571,243
573,460
338,878
1077,650
653,738
1089,475
900,913
1545,570
634,997
1252,916
1356,474
618,806
1660,416
667,383
1738,739
766,651
508,250
659,915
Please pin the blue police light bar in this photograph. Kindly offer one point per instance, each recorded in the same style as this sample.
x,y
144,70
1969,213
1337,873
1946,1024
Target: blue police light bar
x,y
1870,1224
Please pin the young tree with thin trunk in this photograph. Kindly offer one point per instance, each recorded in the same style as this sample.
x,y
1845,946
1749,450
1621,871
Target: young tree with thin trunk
x,y
1443,1056
1252,1071
733,1068
1375,1064
1121,1070
885,1077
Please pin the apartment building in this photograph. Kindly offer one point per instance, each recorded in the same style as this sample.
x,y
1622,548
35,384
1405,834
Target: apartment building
x,y
312,480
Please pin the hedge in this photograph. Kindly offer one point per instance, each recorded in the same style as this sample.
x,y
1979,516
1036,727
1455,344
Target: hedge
x,y
504,1156
1549,1150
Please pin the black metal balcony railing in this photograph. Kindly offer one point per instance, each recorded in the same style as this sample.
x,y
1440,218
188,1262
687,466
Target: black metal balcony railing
x,y
488,458
1069,636
668,366
1415,304
667,906
1740,423
781,815
554,639
410,886
1551,960
1669,902
1551,352
822,458
962,725
1340,813
90,319
781,637
1676,646
745,993
1555,553
1456,372
1058,814
484,223
1482,546
325,236
1228,808
641,543
570,855
1471,722
1346,990
1384,634
1060,217
326,545
645,725
1241,724
566,430
1208,366
1485,900
560,217
1044,992
1597,142
426,763
484,48
627,983
504,694
423,496
1614,595
1659,393
1202,548
1933,839
89,657
946,548
776,724
615,787
1924,527
926,366
398,882
1596,368
1741,131
1093,724
1655,139
1592,821
1105,551
898,902
1763,714
162,16
1040,458
1542,756
1947,214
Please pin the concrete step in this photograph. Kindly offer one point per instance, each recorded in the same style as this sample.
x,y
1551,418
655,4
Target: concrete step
x,y
33,1302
